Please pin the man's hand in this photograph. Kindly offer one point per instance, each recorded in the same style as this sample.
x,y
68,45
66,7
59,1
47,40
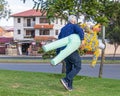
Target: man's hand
x,y
82,45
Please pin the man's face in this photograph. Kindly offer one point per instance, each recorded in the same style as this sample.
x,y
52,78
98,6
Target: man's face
x,y
74,21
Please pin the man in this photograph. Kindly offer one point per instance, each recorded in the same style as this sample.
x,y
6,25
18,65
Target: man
x,y
73,61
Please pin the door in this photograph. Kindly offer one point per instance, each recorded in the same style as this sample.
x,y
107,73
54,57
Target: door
x,y
28,22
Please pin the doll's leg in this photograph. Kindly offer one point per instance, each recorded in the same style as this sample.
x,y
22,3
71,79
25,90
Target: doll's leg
x,y
101,45
56,44
95,58
73,45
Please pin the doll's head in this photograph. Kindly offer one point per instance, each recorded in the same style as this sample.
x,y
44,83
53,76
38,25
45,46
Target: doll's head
x,y
96,28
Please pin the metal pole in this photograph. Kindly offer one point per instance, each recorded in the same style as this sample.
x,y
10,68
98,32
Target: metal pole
x,y
103,53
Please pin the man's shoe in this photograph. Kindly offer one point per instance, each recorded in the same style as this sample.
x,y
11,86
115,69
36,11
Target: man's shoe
x,y
70,89
65,84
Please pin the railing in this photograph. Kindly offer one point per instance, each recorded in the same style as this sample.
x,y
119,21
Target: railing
x,y
29,25
29,37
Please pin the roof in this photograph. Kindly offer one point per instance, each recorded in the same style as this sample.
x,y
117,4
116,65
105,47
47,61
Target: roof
x,y
2,30
8,28
6,33
29,13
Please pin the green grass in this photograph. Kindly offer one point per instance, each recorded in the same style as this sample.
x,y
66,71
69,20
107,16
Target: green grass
x,y
19,83
24,60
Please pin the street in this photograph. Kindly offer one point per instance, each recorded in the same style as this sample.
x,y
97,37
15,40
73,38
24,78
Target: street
x,y
109,70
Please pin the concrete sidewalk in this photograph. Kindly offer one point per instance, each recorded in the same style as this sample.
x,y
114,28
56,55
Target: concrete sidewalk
x,y
84,57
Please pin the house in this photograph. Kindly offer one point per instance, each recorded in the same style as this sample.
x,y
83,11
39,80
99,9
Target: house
x,y
2,31
6,31
31,26
6,37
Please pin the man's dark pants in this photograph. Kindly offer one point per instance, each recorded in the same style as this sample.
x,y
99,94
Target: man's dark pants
x,y
73,66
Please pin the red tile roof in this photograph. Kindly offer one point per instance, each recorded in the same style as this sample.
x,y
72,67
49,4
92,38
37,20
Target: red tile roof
x,y
6,33
28,13
46,26
2,30
8,28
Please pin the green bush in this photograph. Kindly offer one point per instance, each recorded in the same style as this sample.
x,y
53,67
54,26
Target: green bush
x,y
82,52
41,51
47,55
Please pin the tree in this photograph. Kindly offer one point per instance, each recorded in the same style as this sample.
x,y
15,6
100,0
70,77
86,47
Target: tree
x,y
113,30
4,9
92,9
95,10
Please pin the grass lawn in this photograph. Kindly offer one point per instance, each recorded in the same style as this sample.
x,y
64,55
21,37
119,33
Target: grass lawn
x,y
19,83
24,60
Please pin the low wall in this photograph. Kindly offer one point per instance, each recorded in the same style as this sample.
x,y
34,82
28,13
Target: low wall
x,y
11,52
110,49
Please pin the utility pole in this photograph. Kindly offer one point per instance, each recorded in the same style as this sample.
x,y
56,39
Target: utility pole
x,y
103,52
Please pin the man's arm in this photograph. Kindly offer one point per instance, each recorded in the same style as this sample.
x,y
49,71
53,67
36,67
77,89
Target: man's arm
x,y
79,31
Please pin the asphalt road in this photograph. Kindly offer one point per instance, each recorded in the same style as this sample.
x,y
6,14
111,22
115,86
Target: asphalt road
x,y
109,70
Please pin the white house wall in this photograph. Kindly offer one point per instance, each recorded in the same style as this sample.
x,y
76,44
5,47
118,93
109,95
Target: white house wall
x,y
57,26
22,25
37,32
52,31
37,20
18,26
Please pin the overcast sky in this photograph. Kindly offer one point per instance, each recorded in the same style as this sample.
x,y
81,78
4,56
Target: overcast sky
x,y
16,6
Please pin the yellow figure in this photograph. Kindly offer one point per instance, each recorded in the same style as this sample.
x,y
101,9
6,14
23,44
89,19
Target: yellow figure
x,y
91,41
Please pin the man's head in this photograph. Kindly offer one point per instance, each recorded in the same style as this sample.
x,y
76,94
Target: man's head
x,y
72,19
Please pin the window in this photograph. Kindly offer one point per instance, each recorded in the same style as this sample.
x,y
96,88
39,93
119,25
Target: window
x,y
56,32
18,20
44,20
61,21
44,32
28,22
34,19
28,32
19,31
56,20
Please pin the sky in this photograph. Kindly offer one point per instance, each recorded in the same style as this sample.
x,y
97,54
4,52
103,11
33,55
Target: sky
x,y
16,6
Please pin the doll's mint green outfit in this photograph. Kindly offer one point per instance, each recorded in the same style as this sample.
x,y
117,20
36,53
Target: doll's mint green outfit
x,y
72,43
